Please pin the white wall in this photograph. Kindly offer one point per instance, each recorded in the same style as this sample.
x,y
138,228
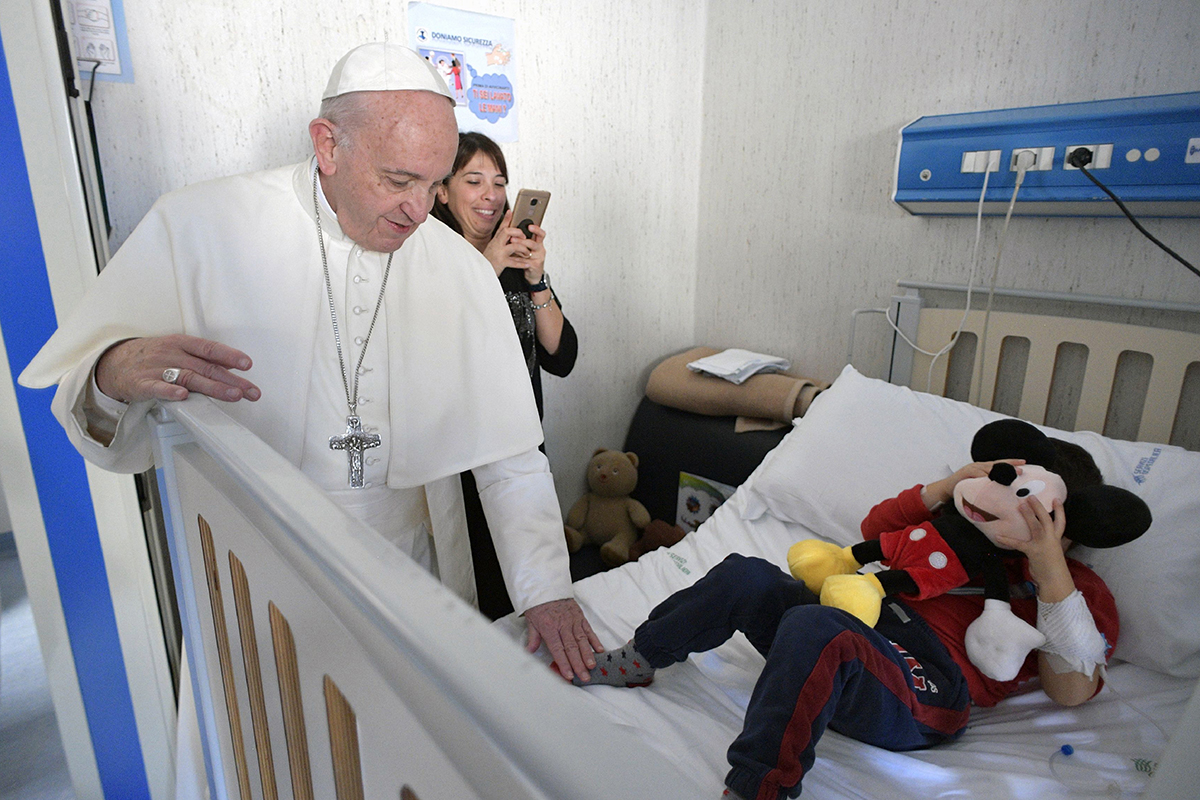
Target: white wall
x,y
610,101
803,103
721,171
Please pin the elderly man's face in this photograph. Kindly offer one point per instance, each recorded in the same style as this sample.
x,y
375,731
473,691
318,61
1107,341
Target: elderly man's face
x,y
383,185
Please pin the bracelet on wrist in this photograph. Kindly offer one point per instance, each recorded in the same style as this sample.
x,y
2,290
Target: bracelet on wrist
x,y
539,306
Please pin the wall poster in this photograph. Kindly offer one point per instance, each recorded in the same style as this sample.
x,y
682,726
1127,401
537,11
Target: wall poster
x,y
475,53
101,46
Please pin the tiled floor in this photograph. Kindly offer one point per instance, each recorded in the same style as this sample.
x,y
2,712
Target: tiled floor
x,y
32,764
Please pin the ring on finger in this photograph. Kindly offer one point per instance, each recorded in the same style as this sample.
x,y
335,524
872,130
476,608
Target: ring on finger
x,y
170,374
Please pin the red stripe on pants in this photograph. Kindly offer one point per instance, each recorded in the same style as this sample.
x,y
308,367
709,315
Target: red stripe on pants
x,y
815,694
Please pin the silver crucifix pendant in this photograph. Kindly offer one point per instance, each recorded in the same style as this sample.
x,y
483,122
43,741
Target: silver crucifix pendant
x,y
354,441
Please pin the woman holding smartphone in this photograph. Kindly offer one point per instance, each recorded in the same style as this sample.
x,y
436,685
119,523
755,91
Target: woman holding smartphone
x,y
474,202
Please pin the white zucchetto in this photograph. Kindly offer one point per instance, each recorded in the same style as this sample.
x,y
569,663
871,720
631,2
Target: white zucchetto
x,y
384,67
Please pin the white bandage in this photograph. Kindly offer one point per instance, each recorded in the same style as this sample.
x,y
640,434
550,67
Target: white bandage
x,y
1071,634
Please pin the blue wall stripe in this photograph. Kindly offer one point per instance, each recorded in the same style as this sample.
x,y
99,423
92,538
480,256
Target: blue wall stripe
x,y
26,321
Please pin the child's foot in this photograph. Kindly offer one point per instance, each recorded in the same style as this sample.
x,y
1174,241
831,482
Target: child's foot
x,y
621,666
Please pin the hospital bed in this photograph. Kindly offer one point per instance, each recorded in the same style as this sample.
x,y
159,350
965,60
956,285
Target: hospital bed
x,y
325,664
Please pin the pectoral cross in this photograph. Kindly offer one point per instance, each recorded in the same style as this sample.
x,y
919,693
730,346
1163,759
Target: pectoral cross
x,y
354,441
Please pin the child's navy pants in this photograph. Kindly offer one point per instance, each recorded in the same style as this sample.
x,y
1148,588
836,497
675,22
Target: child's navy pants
x,y
894,686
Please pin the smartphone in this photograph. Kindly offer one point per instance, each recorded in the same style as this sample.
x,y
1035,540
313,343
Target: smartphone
x,y
529,209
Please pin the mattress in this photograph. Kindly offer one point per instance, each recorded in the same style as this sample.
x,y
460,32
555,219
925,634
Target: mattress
x,y
860,442
694,710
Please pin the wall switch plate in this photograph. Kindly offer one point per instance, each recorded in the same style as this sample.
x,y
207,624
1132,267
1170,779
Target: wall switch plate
x,y
1146,148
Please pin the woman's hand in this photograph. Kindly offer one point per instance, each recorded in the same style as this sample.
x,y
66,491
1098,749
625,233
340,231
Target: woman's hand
x,y
510,248
534,260
499,250
940,492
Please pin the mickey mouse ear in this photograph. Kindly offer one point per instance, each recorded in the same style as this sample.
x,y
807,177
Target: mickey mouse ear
x,y
1105,516
1013,438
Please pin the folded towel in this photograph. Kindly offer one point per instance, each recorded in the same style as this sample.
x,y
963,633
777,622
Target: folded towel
x,y
736,365
779,396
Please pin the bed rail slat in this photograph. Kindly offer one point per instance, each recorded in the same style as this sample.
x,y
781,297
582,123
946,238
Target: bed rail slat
x,y
1162,401
983,384
1172,359
1096,391
225,659
1039,375
1172,353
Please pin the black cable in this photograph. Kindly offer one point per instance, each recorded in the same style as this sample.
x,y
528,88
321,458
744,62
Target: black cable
x,y
1080,158
91,121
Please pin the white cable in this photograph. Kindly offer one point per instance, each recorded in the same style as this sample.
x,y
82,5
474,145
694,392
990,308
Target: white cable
x,y
1110,687
966,310
1095,784
1023,165
970,280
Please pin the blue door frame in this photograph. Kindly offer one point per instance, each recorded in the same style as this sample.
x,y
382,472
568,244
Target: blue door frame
x,y
27,319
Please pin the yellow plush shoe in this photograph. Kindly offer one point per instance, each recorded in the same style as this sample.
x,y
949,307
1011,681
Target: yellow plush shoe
x,y
812,561
860,595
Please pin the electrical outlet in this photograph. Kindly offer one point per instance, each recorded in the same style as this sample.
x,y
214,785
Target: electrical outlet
x,y
1043,158
980,161
1101,155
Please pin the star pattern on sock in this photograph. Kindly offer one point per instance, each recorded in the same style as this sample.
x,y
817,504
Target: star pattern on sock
x,y
621,666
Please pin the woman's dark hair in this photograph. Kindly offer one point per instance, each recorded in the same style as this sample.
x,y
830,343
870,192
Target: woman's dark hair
x,y
469,144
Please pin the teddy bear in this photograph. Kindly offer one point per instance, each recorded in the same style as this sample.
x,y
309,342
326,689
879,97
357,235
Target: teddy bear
x,y
657,534
606,515
958,543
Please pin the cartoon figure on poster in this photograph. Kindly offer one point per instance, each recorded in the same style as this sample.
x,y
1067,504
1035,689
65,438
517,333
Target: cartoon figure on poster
x,y
474,54
449,65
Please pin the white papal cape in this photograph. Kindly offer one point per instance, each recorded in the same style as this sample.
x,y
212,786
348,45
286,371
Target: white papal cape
x,y
236,260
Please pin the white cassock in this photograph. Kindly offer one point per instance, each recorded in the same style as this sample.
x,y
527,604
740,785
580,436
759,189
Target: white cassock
x,y
443,382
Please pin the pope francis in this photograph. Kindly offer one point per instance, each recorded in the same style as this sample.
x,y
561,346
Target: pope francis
x,y
384,359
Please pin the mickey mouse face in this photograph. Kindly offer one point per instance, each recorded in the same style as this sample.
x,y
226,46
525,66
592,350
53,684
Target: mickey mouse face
x,y
993,504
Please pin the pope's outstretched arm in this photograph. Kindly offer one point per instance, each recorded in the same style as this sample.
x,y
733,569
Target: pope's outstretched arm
x,y
119,339
523,515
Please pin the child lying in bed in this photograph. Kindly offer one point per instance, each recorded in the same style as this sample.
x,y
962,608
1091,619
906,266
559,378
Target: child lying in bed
x,y
904,684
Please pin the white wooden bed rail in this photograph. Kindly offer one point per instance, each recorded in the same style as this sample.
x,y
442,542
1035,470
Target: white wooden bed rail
x,y
326,664
1125,381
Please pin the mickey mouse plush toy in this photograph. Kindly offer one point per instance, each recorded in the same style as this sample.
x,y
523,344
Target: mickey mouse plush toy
x,y
959,544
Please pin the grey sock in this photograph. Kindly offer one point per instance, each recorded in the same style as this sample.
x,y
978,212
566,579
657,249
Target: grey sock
x,y
621,666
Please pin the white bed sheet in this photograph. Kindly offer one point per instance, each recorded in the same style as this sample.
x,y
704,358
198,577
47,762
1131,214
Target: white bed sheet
x,y
694,710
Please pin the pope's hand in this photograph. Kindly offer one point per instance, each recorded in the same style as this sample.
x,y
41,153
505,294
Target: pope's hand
x,y
132,370
567,634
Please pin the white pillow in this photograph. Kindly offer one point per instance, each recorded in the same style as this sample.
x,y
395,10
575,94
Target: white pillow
x,y
865,440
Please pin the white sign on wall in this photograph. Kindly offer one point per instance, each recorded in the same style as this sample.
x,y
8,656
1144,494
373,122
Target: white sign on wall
x,y
476,55
98,28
